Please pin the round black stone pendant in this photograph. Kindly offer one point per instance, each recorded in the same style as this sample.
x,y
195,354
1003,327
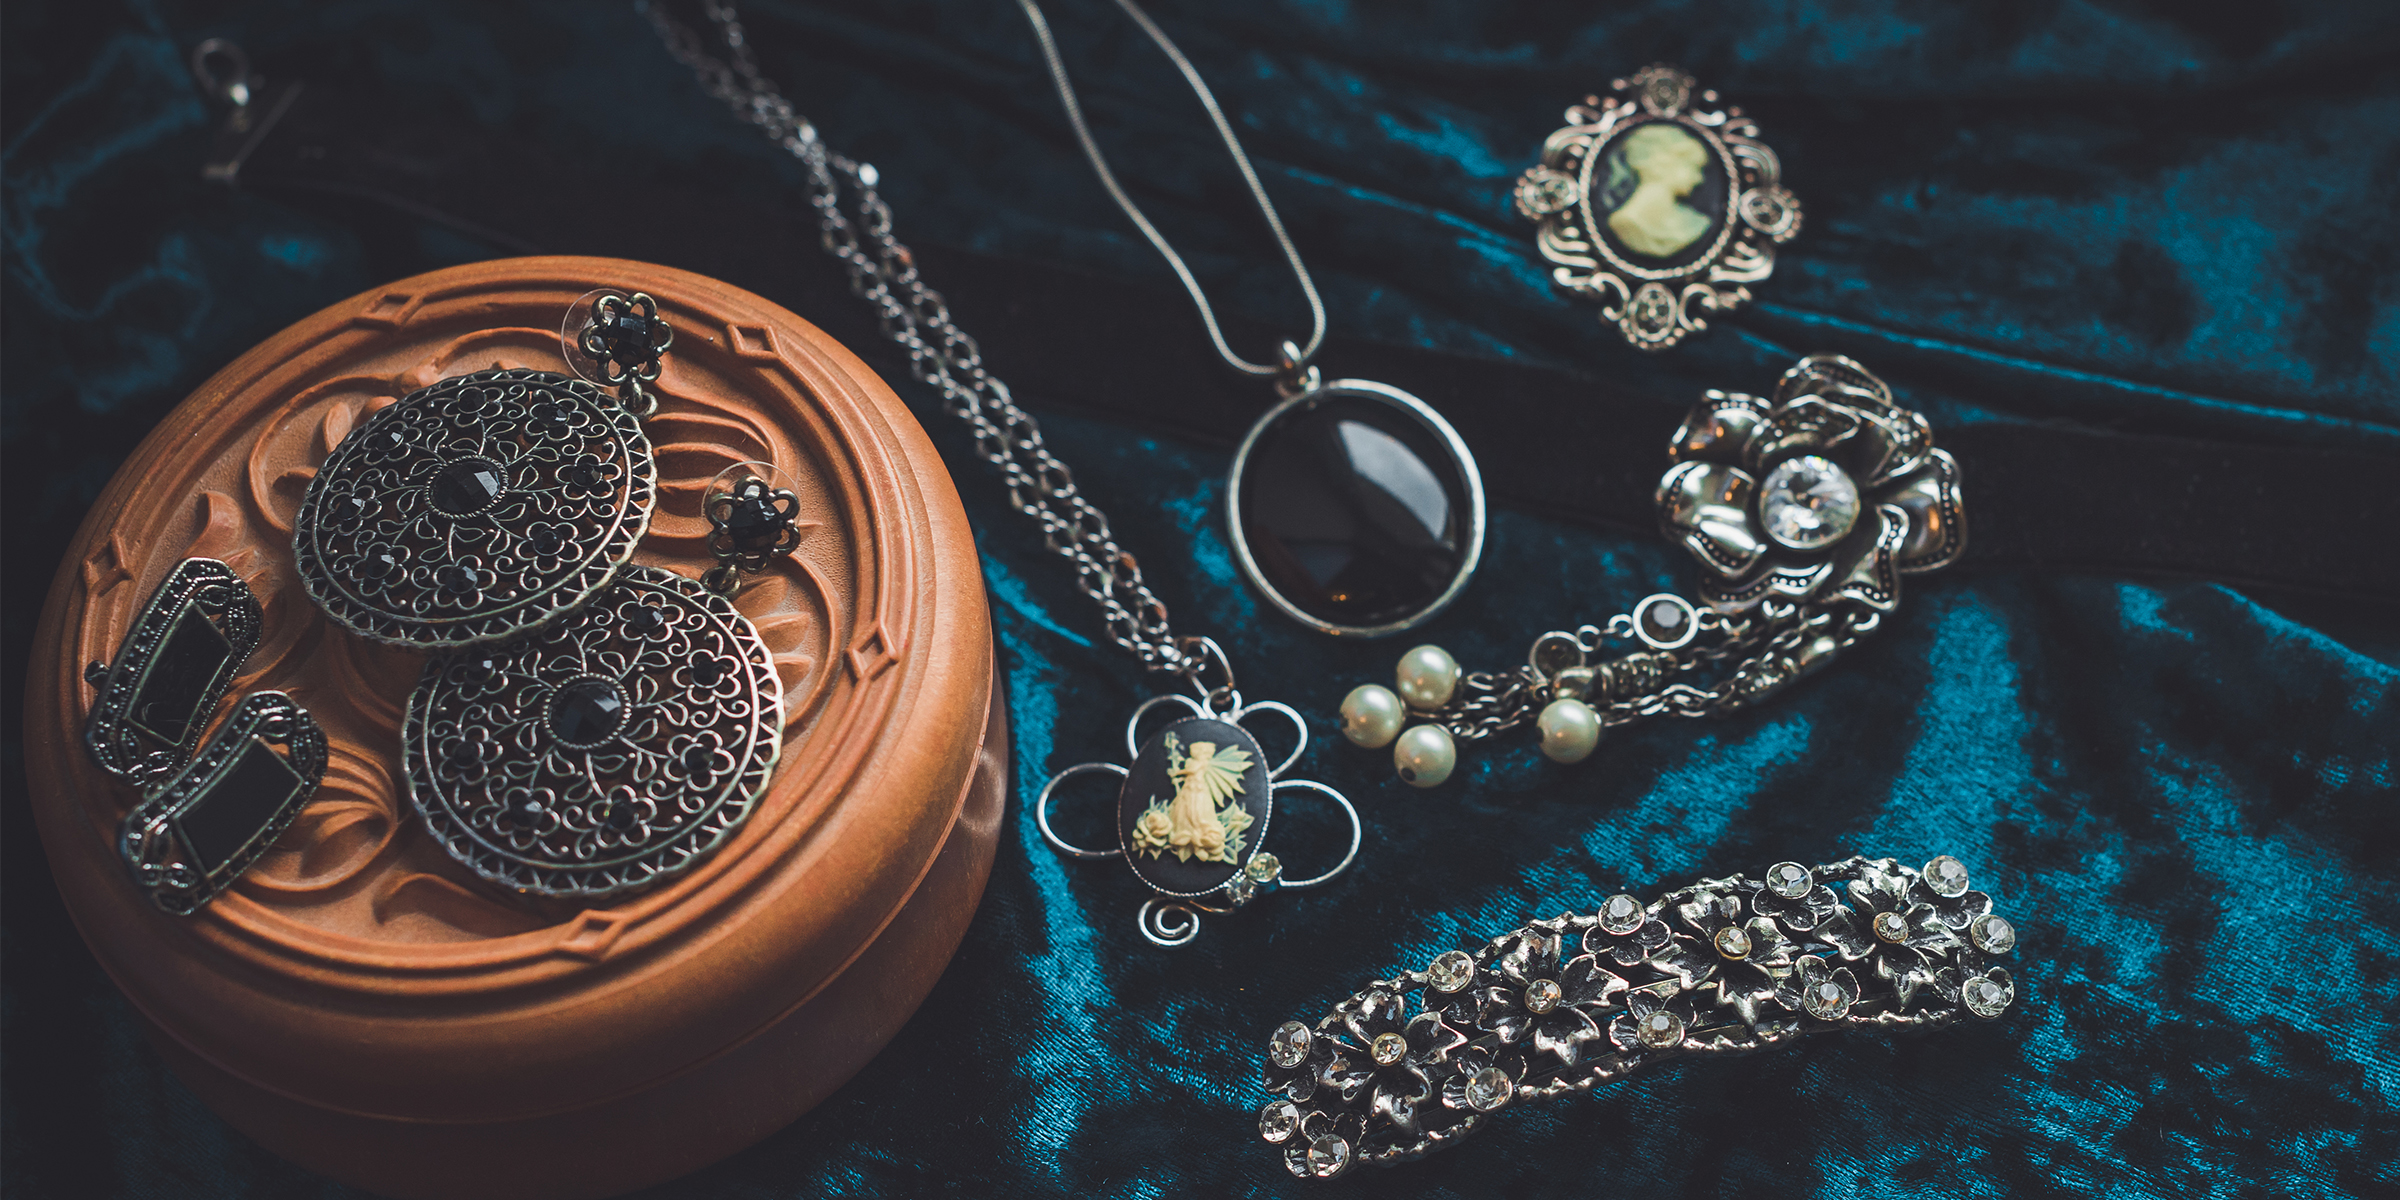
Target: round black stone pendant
x,y
1194,807
1356,509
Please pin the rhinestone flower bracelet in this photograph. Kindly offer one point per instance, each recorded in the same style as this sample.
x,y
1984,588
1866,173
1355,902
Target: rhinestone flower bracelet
x,y
1724,966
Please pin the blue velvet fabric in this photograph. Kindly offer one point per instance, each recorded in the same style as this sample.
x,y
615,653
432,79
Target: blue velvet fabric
x,y
2148,215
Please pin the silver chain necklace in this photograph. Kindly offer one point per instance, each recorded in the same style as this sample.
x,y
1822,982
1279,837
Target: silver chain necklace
x,y
1352,506
1197,793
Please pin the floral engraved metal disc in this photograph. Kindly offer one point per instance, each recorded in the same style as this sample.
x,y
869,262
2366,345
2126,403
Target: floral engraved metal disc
x,y
1194,806
476,509
1661,204
605,752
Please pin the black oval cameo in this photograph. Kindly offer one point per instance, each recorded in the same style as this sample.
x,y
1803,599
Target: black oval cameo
x,y
1356,509
1194,806
1659,194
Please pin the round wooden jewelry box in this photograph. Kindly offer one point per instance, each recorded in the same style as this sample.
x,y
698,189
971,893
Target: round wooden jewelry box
x,y
364,1005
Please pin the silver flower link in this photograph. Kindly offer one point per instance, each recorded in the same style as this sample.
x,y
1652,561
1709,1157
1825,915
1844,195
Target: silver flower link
x,y
1691,974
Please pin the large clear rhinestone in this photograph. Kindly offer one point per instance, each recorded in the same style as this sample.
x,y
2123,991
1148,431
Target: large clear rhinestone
x,y
1288,1044
1450,972
1988,995
1388,1048
1328,1157
587,712
1946,876
1621,915
1489,1088
1891,926
1993,934
466,486
1263,868
1789,880
1277,1122
1807,503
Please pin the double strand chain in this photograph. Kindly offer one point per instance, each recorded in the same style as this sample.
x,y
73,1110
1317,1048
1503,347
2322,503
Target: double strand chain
x,y
1768,649
882,271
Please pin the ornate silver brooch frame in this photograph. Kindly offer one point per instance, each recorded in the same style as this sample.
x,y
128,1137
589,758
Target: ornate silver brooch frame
x,y
1660,203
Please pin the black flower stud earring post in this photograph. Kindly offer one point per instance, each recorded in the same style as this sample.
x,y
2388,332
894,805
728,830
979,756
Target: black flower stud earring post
x,y
1723,967
1804,509
751,523
1661,204
1193,808
626,339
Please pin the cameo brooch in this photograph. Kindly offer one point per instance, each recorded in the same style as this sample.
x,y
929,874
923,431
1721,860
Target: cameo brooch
x,y
1660,203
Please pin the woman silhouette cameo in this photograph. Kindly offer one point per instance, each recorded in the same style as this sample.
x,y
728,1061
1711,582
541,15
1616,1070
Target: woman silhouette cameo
x,y
1659,164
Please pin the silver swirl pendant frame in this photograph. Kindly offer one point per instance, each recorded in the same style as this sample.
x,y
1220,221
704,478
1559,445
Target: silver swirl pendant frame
x,y
476,510
613,749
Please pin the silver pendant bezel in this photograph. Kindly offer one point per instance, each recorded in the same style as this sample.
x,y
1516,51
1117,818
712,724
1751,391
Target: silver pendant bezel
x,y
1426,418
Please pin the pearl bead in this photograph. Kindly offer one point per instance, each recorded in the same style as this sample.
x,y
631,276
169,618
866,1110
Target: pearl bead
x,y
1428,676
1372,716
1570,730
1424,756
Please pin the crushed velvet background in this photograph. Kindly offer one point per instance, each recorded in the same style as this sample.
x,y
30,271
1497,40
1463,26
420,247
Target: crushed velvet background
x,y
2140,214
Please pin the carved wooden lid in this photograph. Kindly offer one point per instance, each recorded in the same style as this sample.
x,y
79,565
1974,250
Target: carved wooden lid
x,y
357,967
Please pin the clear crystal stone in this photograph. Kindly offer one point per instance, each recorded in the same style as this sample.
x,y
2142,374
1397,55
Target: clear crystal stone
x,y
1328,1157
1240,890
1450,972
1660,1029
1824,1000
1946,876
1789,880
1277,1122
1489,1088
1807,503
1388,1048
1542,995
1288,1044
1993,934
1986,997
1891,926
1621,915
1733,942
1263,868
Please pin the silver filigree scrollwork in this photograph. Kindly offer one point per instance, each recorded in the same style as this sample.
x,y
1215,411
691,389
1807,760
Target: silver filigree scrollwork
x,y
1193,804
476,510
156,698
1411,1064
606,752
195,833
1659,203
1804,509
